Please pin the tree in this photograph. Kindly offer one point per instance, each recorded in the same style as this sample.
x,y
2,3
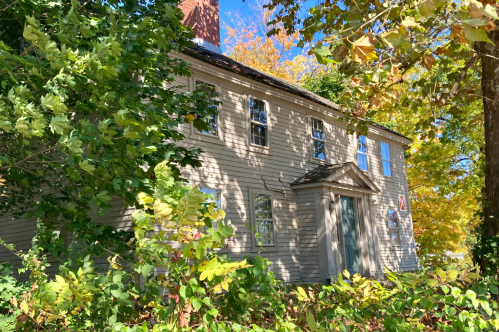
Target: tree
x,y
88,107
444,173
378,43
250,45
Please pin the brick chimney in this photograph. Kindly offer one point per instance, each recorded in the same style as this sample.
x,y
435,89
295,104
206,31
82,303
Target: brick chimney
x,y
203,17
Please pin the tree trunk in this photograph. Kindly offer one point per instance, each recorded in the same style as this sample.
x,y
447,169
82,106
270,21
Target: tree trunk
x,y
489,55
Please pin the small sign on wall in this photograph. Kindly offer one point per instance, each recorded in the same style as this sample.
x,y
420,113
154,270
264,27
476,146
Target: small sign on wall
x,y
402,204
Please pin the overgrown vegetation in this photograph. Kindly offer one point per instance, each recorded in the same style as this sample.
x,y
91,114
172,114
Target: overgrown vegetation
x,y
176,281
75,129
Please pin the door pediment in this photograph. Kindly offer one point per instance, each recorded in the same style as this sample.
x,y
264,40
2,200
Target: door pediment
x,y
348,180
354,177
344,174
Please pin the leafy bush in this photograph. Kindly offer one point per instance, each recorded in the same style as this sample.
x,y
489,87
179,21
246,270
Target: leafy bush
x,y
443,301
9,288
176,280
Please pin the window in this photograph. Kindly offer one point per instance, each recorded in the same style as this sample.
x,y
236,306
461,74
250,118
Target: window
x,y
215,197
394,227
211,93
264,221
318,139
258,121
362,152
385,157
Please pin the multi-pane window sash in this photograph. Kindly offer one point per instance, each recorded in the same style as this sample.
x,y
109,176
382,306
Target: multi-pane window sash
x,y
258,121
318,140
264,221
211,94
362,152
394,227
385,157
215,197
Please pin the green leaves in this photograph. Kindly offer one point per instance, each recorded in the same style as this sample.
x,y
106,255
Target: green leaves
x,y
393,39
74,145
494,290
102,198
196,303
70,100
474,34
428,7
29,33
321,51
59,124
87,167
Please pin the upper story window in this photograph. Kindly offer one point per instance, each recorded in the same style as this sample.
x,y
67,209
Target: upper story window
x,y
362,152
394,227
211,94
259,122
318,139
385,157
264,221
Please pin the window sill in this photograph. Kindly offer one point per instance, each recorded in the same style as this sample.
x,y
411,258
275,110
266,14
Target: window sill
x,y
207,138
259,149
317,161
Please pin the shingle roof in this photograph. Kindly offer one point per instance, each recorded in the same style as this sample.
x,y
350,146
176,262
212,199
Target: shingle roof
x,y
321,173
227,63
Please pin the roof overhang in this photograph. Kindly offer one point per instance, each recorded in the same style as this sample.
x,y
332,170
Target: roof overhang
x,y
350,170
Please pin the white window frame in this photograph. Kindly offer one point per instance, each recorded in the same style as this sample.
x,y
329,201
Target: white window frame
x,y
357,152
251,146
311,119
263,247
390,228
381,158
195,134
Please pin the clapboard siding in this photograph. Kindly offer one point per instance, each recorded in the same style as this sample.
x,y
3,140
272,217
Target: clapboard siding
x,y
231,165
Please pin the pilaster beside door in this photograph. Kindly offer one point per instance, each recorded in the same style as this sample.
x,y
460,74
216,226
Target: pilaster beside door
x,y
350,235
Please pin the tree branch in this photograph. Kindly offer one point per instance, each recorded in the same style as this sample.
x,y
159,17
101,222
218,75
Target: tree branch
x,y
442,101
29,157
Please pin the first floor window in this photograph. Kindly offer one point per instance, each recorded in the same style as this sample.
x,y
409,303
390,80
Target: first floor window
x,y
264,221
394,227
211,94
215,196
258,122
318,139
362,152
385,157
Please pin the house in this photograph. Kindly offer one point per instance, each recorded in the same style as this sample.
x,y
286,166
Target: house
x,y
278,158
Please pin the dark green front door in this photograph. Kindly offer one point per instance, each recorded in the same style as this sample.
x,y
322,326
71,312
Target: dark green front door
x,y
349,235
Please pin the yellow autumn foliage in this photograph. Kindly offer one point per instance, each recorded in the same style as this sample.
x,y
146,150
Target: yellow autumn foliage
x,y
249,44
445,180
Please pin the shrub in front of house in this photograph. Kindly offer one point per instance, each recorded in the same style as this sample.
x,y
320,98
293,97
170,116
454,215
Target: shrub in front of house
x,y
176,280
